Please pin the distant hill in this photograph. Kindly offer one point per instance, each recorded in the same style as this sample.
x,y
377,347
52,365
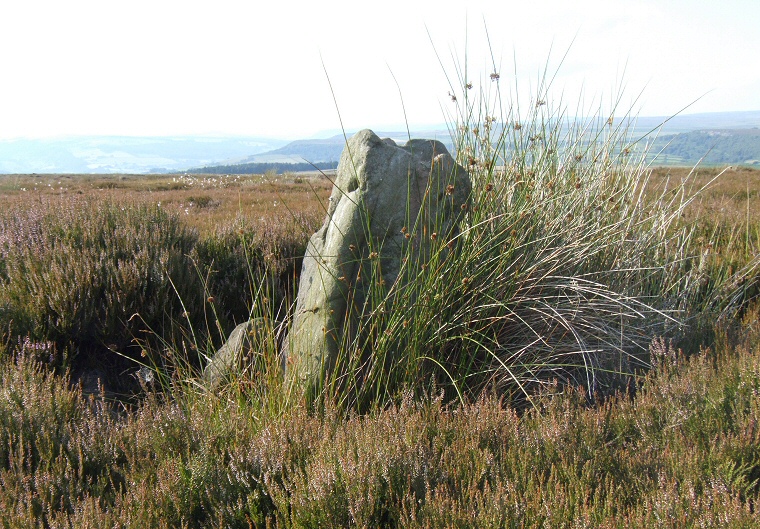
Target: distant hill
x,y
702,121
125,154
263,168
726,145
330,149
304,155
324,152
300,151
721,146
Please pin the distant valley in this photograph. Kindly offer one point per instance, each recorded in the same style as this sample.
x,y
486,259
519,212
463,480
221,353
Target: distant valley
x,y
126,154
717,138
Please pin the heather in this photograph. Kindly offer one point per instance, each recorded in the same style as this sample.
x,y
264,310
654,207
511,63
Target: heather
x,y
682,453
677,447
112,283
583,353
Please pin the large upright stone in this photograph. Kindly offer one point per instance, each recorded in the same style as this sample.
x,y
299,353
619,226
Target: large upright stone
x,y
388,202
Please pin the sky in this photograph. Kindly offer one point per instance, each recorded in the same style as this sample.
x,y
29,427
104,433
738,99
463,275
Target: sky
x,y
295,69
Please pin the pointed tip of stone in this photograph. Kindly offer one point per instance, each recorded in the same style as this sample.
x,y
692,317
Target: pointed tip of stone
x,y
365,136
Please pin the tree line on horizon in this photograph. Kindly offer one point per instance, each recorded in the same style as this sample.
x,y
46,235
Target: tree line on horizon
x,y
711,147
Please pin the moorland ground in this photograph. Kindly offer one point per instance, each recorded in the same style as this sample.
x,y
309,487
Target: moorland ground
x,y
207,202
204,202
681,448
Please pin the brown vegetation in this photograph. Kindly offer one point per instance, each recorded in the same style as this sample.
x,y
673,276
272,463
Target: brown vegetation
x,y
682,452
205,202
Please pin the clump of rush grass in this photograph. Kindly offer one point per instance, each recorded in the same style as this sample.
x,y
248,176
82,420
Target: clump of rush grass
x,y
565,268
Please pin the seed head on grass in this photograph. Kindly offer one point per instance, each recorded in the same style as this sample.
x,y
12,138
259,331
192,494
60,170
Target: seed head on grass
x,y
551,288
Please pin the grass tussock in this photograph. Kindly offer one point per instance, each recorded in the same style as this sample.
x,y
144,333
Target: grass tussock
x,y
572,258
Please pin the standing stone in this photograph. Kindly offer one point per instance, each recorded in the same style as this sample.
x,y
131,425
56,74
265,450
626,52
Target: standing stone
x,y
388,202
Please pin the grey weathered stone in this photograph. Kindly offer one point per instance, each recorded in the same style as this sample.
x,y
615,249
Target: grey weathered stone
x,y
229,358
386,201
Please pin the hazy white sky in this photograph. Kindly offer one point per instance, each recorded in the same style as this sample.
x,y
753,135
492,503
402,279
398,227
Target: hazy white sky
x,y
156,67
